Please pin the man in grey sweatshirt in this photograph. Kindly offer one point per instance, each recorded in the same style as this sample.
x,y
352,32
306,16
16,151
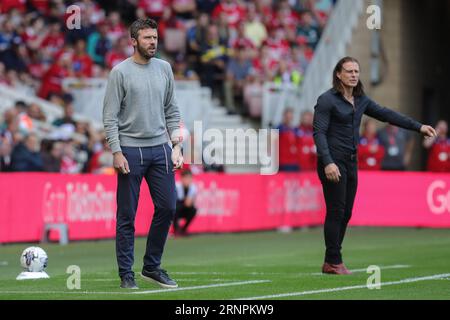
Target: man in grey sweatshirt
x,y
140,115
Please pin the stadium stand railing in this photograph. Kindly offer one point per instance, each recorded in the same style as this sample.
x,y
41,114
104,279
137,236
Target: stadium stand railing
x,y
277,97
332,46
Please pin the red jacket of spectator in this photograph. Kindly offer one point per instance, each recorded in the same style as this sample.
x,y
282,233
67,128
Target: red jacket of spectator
x,y
370,154
117,31
288,150
52,81
82,65
260,66
278,48
307,152
242,43
113,58
234,12
284,19
7,5
54,41
439,156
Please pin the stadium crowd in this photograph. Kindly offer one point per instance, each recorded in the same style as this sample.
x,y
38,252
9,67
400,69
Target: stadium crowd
x,y
231,46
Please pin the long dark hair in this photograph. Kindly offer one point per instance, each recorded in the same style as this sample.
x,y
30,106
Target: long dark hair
x,y
358,91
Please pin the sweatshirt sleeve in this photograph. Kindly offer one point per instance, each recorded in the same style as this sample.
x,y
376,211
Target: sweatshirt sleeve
x,y
387,115
171,110
322,115
111,108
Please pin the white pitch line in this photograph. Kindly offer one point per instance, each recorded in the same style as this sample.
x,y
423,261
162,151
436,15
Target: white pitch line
x,y
3,263
304,293
208,286
100,280
199,272
396,266
204,286
178,279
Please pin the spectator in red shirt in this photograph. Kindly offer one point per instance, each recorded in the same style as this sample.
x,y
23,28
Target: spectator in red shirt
x,y
265,10
34,33
52,81
241,41
118,54
439,149
307,151
36,66
264,64
233,11
81,61
277,44
8,5
284,16
54,41
152,8
370,151
102,160
115,26
287,144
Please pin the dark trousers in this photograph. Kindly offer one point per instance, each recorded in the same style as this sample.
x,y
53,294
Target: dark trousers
x,y
188,213
339,199
155,165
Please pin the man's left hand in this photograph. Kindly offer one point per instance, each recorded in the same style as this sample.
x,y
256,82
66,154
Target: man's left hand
x,y
177,157
428,131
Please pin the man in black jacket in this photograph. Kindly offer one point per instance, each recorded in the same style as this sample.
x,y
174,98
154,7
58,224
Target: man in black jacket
x,y
337,120
26,156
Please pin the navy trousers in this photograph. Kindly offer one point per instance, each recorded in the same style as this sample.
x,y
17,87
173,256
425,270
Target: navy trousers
x,y
155,165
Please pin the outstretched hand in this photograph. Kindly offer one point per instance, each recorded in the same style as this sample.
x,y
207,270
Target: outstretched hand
x,y
428,131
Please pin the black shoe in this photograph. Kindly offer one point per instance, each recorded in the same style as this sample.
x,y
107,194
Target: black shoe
x,y
127,282
160,277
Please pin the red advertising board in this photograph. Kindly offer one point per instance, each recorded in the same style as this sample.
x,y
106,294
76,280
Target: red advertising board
x,y
226,203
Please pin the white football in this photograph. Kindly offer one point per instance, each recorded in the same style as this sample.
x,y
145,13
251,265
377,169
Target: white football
x,y
34,259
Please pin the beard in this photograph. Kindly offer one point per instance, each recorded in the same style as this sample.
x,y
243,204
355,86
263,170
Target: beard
x,y
144,52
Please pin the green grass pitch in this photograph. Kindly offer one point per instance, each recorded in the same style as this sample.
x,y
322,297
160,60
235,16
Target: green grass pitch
x,y
415,264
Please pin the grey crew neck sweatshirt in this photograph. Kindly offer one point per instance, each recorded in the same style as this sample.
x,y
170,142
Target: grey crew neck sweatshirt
x,y
140,108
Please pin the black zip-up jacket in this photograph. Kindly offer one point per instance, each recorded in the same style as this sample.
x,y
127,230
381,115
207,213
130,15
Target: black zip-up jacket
x,y
337,123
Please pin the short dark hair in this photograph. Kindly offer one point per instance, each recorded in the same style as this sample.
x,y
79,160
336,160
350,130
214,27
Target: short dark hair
x,y
141,24
21,104
337,83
